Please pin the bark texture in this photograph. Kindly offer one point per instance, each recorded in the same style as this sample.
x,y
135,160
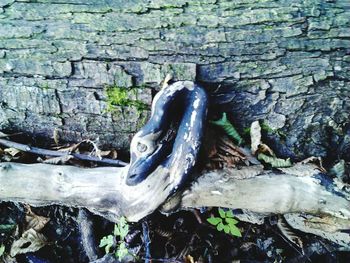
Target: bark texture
x,y
286,62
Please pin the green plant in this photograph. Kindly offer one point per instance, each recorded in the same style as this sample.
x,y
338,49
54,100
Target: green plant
x,y
274,161
225,124
121,229
225,223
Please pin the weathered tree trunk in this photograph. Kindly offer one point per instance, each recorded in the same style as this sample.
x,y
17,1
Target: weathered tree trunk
x,y
286,62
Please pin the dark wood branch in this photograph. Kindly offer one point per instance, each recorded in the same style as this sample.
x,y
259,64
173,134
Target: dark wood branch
x,y
45,152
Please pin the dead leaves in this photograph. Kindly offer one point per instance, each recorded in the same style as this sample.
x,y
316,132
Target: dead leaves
x,y
31,239
225,154
11,154
222,152
289,233
35,221
86,147
77,154
14,153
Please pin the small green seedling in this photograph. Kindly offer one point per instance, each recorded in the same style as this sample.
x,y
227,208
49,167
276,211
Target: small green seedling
x,y
121,229
107,242
225,223
225,124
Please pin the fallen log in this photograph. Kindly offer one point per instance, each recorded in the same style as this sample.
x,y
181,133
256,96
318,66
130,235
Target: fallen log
x,y
103,191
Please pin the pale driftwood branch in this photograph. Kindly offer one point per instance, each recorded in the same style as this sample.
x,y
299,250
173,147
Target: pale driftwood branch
x,y
300,189
266,192
104,191
101,190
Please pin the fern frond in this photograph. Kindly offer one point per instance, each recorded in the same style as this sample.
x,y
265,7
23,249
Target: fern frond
x,y
225,124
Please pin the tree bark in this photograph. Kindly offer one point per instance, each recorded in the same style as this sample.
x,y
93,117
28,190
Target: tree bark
x,y
285,62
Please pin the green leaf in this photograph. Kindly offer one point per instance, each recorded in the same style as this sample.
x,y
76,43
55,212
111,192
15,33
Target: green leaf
x,y
230,221
230,130
116,230
108,248
2,250
122,251
274,161
122,221
124,231
220,227
214,220
226,229
235,230
222,213
229,213
107,242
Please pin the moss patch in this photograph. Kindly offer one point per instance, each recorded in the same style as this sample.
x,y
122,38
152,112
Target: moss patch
x,y
120,96
265,127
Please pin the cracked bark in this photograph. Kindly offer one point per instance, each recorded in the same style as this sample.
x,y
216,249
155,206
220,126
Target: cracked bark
x,y
285,62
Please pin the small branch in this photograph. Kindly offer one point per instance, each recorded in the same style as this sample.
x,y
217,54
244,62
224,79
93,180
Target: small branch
x,y
45,152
